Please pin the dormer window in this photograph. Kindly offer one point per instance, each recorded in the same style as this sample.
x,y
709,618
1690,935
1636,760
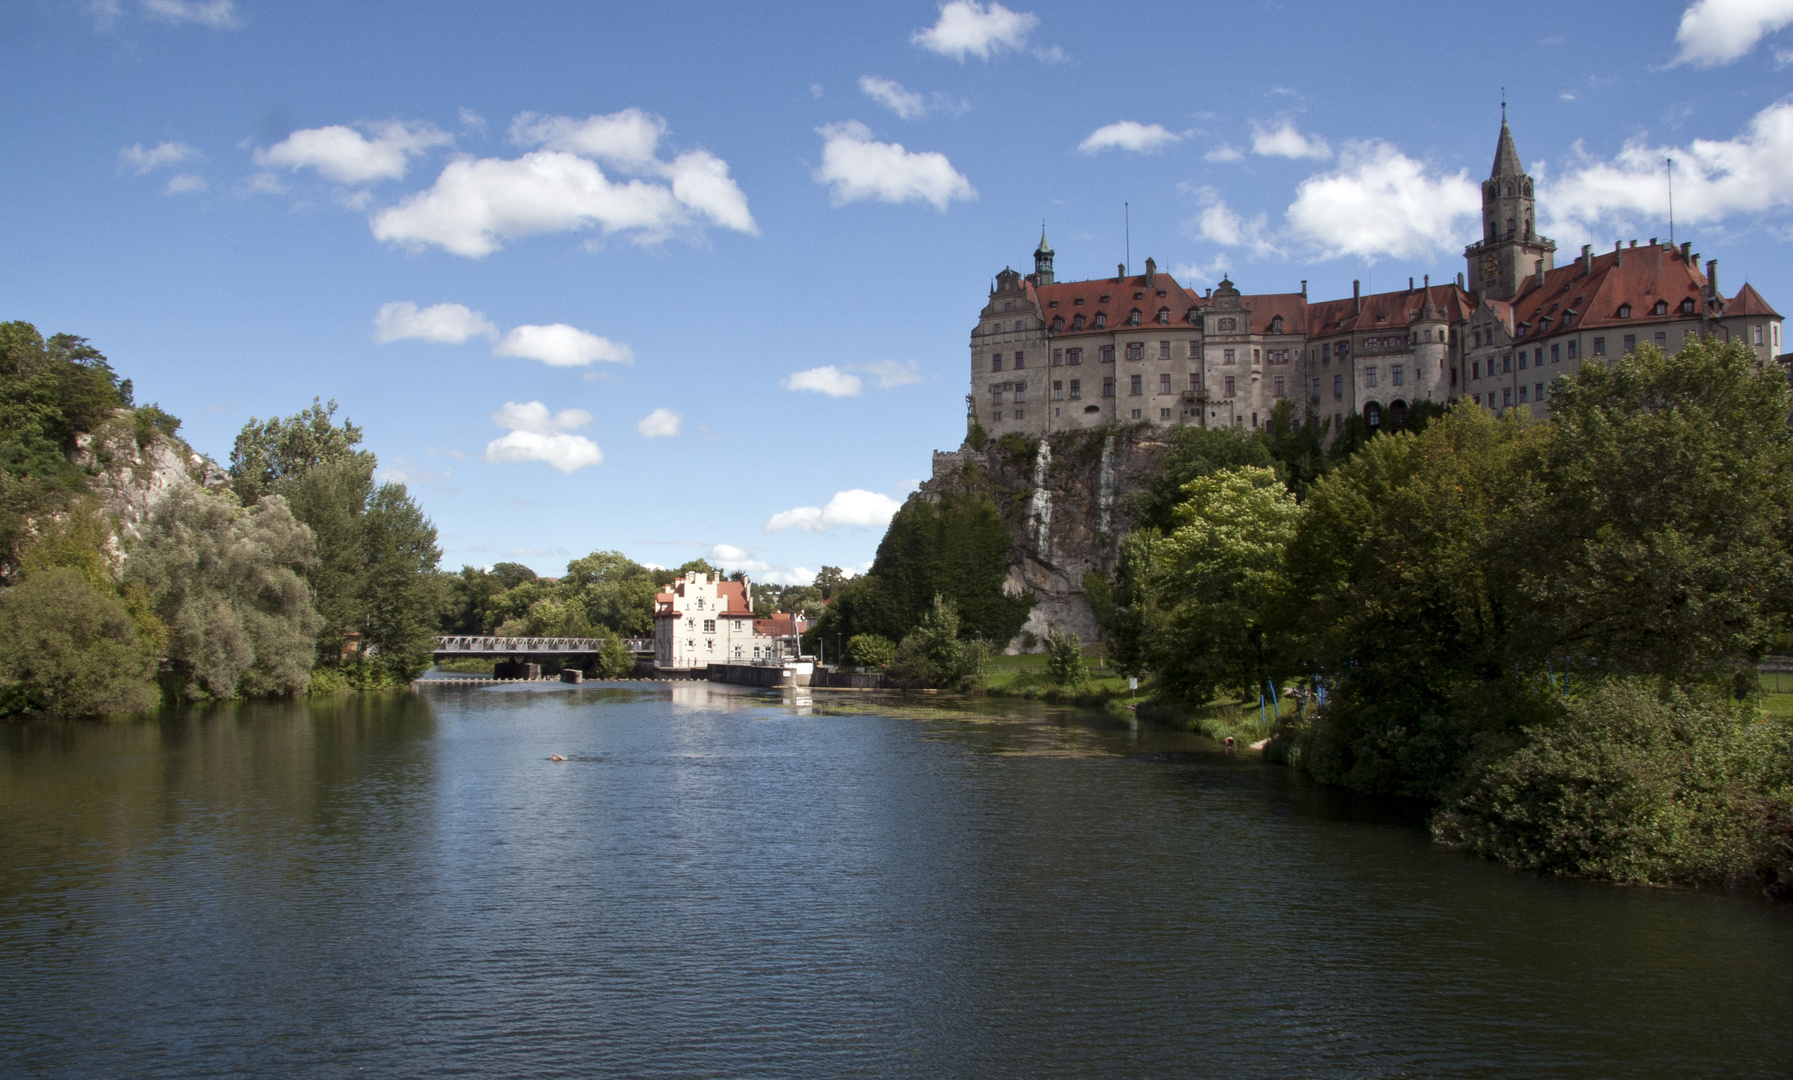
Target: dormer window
x,y
1008,305
1382,318
1661,308
1052,303
1078,302
1139,296
1624,311
1133,317
1077,322
1058,323
1106,297
1687,306
1193,319
1276,325
1163,316
1101,319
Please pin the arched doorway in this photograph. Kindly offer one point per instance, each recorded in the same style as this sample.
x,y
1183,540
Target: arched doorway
x,y
1372,415
1397,416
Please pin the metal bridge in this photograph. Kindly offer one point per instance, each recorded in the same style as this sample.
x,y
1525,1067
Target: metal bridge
x,y
450,646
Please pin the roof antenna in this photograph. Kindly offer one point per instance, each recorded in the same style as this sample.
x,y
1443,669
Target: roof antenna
x,y
1503,104
1671,202
1127,220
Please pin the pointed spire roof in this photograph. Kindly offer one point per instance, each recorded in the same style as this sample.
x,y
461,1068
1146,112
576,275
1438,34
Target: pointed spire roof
x,y
1506,155
1044,248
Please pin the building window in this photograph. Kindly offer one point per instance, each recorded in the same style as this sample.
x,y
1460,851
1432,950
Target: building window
x,y
1254,419
1133,317
1136,350
1105,354
1661,308
709,626
1278,387
1227,326
1624,311
1257,355
996,395
1538,392
1058,390
1195,351
1164,347
1136,385
1020,361
1164,414
1163,316
1395,374
1077,321
1058,358
1661,339
1226,356
1058,323
1135,415
1475,370
1195,382
1599,346
1316,389
1630,343
1521,359
996,362
1101,319
1108,387
1338,386
1521,393
1506,362
1073,356
1164,384
1369,375
1556,353
1020,392
1574,349
1325,352
1076,389
1506,396
1478,399
1020,414
1230,391
998,414
1538,356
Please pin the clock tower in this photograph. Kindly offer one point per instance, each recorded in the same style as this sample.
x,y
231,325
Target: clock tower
x,y
1510,249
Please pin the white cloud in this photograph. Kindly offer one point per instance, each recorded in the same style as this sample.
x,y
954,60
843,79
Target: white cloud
x,y
1715,32
213,13
475,204
140,161
858,508
448,324
537,436
1750,173
730,558
826,379
1224,225
1225,152
185,184
472,121
349,157
968,28
1128,135
661,423
1287,142
856,168
1381,202
560,345
889,373
889,93
1195,271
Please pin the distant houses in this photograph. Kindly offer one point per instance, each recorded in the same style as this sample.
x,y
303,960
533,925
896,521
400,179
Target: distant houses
x,y
699,621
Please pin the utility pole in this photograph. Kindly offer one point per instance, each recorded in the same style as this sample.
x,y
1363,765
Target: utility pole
x,y
1127,227
1671,202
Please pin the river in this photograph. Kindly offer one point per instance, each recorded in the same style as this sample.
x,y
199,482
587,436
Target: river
x,y
729,883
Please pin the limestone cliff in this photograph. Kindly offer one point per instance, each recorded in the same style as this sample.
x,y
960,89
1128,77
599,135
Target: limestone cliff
x,y
129,471
1063,501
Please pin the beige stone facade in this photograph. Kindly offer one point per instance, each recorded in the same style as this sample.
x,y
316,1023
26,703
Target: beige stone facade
x,y
1048,356
699,621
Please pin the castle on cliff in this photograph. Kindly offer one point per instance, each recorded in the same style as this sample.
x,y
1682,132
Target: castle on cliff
x,y
1047,356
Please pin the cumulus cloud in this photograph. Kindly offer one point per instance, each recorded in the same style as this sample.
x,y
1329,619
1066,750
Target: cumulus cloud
x,y
560,345
140,160
185,184
476,204
857,168
1286,141
1381,202
1225,152
1195,271
659,424
214,13
448,324
827,379
1715,32
1128,135
858,508
1714,179
889,373
347,156
968,28
1224,225
535,435
889,93
730,558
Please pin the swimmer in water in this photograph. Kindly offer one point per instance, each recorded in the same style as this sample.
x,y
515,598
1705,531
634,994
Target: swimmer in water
x,y
556,757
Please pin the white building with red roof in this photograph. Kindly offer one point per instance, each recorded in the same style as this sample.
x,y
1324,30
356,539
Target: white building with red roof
x,y
1050,356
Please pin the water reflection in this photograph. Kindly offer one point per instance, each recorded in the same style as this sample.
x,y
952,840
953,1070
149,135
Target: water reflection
x,y
721,881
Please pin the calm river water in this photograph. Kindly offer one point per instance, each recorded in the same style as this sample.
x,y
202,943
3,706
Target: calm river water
x,y
721,883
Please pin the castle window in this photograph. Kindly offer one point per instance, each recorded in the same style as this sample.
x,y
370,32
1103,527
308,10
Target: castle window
x,y
1661,308
1105,354
1506,362
1058,358
1226,357
1101,319
1227,326
1139,296
1277,385
1395,373
1135,415
1538,392
1338,386
1136,350
1020,394
1599,346
1522,389
1475,370
1133,317
1077,322
1538,356
1020,360
1276,325
1020,414
1624,311
1316,394
1163,316
1106,297
1257,355
709,626
1164,350
1136,385
1008,305
996,362
1369,375
1478,339
1325,353
1058,323
1521,359
1162,294
1231,386
1574,349
1076,389
1058,390
1630,343
1195,382
1687,308
1556,353
1661,338
1164,384
1506,395
996,396
1195,351
1073,356
1108,387
1192,318
1758,333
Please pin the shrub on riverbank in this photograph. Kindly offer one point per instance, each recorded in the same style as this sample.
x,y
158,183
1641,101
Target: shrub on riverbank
x,y
1634,786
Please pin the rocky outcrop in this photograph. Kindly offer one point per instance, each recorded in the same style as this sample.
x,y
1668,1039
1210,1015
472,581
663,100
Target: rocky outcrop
x,y
129,472
1064,501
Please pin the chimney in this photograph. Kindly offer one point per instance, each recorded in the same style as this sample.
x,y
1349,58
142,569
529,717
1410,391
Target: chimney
x,y
1410,283
1618,253
1653,241
1459,279
1540,274
1687,251
1120,273
1151,273
1356,297
1304,288
1712,279
1587,258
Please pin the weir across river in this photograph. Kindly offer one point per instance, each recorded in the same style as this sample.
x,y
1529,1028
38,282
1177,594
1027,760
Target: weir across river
x,y
456,646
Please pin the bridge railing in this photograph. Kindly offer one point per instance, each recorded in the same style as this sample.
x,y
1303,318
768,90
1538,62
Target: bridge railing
x,y
477,645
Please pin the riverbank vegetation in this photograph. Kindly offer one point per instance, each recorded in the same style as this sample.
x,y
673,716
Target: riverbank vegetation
x,y
1549,630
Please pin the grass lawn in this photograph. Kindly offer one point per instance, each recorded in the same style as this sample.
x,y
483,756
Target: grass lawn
x,y
1025,676
1778,704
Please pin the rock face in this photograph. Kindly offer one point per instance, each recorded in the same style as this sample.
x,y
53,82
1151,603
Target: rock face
x,y
1063,501
130,479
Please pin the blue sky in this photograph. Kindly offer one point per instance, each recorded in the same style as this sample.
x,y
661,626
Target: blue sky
x,y
690,280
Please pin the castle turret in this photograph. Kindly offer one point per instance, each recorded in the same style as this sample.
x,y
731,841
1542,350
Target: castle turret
x,y
1510,250
1042,260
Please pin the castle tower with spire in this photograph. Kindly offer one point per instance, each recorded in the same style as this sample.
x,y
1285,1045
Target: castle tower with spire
x,y
1042,260
1510,250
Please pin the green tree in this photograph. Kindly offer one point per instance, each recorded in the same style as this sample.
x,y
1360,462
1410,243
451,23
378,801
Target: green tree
x,y
1297,448
870,650
467,597
1064,659
1194,452
267,452
613,591
615,661
397,594
957,548
69,647
829,580
227,583
936,655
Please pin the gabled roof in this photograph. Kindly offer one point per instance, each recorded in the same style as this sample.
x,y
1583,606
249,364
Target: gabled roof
x,y
1387,311
1593,299
1119,305
1749,302
1506,155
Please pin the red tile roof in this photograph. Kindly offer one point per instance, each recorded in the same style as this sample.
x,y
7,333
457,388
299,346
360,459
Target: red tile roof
x,y
1118,306
1749,302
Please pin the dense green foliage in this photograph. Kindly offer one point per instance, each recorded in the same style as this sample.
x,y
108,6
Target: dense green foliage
x,y
870,650
937,654
1064,659
70,647
957,549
